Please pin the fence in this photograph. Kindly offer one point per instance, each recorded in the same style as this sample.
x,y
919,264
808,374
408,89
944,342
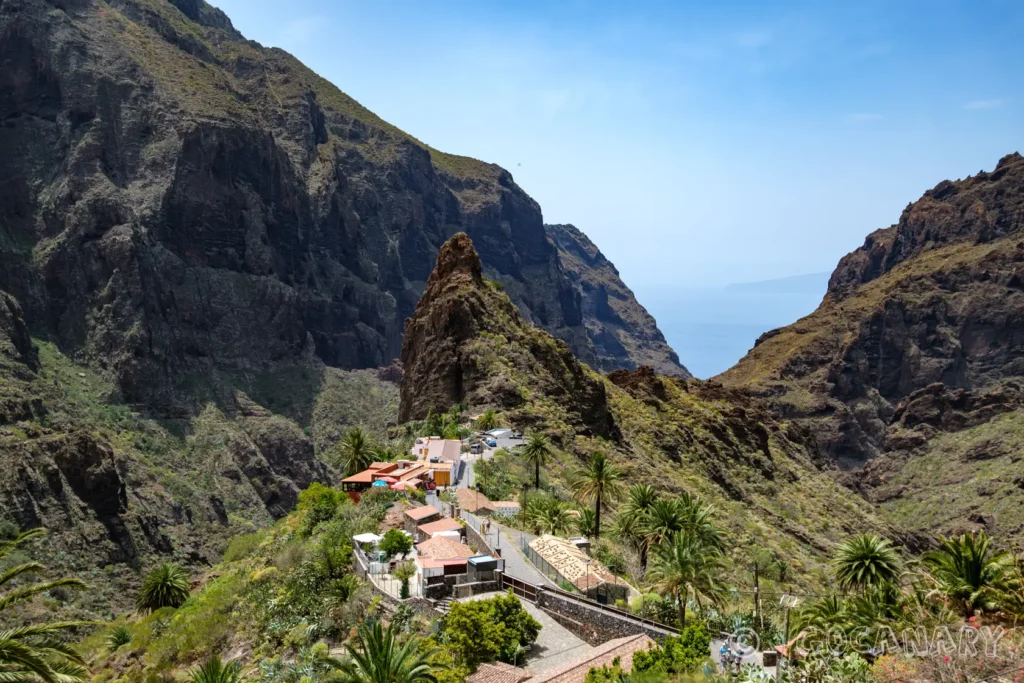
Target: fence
x,y
526,591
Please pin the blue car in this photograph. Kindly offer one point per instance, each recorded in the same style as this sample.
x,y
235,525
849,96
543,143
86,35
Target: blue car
x,y
491,443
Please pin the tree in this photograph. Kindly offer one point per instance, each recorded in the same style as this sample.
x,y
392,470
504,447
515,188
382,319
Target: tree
x,y
487,421
629,526
663,521
685,567
395,544
37,652
968,572
403,573
485,630
433,424
599,481
355,451
536,452
379,656
165,586
213,670
586,523
865,560
698,519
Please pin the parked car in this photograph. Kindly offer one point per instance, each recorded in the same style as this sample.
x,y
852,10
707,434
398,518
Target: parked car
x,y
476,449
516,435
492,443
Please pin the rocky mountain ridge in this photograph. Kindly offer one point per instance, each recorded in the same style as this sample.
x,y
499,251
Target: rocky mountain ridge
x,y
915,356
466,343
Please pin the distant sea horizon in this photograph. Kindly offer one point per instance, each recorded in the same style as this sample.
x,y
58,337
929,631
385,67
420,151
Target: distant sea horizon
x,y
712,329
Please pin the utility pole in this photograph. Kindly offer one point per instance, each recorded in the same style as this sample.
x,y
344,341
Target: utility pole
x,y
757,594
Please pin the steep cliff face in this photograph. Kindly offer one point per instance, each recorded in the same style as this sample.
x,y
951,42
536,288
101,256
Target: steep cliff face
x,y
167,187
468,343
916,351
935,298
624,335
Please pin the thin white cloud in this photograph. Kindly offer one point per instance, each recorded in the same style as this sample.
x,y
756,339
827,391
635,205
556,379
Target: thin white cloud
x,y
301,30
862,116
983,104
754,39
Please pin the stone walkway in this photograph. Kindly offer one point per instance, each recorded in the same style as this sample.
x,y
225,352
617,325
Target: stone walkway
x,y
556,645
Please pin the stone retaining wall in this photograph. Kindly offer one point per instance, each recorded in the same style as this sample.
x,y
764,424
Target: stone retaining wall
x,y
593,624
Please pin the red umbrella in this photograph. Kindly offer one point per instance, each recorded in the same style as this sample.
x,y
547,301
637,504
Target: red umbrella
x,y
390,480
401,486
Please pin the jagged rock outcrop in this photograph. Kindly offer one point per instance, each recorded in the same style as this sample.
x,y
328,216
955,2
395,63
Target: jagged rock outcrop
x,y
467,343
167,188
935,298
624,335
912,366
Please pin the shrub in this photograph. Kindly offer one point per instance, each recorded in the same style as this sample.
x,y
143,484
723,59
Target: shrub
x,y
485,630
395,544
215,671
242,546
677,654
165,586
320,504
119,635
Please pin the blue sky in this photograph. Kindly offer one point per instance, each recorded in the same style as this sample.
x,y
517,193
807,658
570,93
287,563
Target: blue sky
x,y
698,143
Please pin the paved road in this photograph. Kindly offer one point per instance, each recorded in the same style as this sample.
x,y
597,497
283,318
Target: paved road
x,y
556,645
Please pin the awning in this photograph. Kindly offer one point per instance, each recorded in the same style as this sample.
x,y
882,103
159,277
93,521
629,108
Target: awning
x,y
367,538
379,483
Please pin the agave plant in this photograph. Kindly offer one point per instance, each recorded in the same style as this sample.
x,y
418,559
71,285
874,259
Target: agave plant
x,y
213,670
165,586
37,652
118,637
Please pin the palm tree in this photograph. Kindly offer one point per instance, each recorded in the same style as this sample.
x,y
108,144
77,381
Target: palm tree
x,y
35,653
864,561
165,586
554,518
599,481
968,572
536,452
379,657
685,567
586,523
355,451
663,521
697,519
215,671
630,522
487,421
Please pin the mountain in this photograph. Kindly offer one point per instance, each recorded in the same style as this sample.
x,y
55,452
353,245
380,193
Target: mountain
x,y
623,333
204,249
913,363
467,343
169,186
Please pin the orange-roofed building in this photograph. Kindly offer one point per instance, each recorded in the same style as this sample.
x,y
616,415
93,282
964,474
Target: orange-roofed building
x,y
444,526
441,548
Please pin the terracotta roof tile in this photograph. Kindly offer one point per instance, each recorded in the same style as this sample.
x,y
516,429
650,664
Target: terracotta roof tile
x,y
422,512
602,655
441,548
446,524
498,672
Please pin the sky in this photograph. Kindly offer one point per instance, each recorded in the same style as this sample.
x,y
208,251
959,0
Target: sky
x,y
697,143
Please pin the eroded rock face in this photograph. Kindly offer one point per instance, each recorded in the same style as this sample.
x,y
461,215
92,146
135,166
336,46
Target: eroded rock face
x,y
936,298
467,343
192,188
623,333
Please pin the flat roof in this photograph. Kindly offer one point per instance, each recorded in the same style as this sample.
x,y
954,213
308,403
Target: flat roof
x,y
422,512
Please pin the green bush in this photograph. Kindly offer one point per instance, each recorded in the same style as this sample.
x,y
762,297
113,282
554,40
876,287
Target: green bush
x,y
486,630
242,546
677,654
395,544
320,504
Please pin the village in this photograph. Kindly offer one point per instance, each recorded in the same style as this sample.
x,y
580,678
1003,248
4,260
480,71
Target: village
x,y
462,546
